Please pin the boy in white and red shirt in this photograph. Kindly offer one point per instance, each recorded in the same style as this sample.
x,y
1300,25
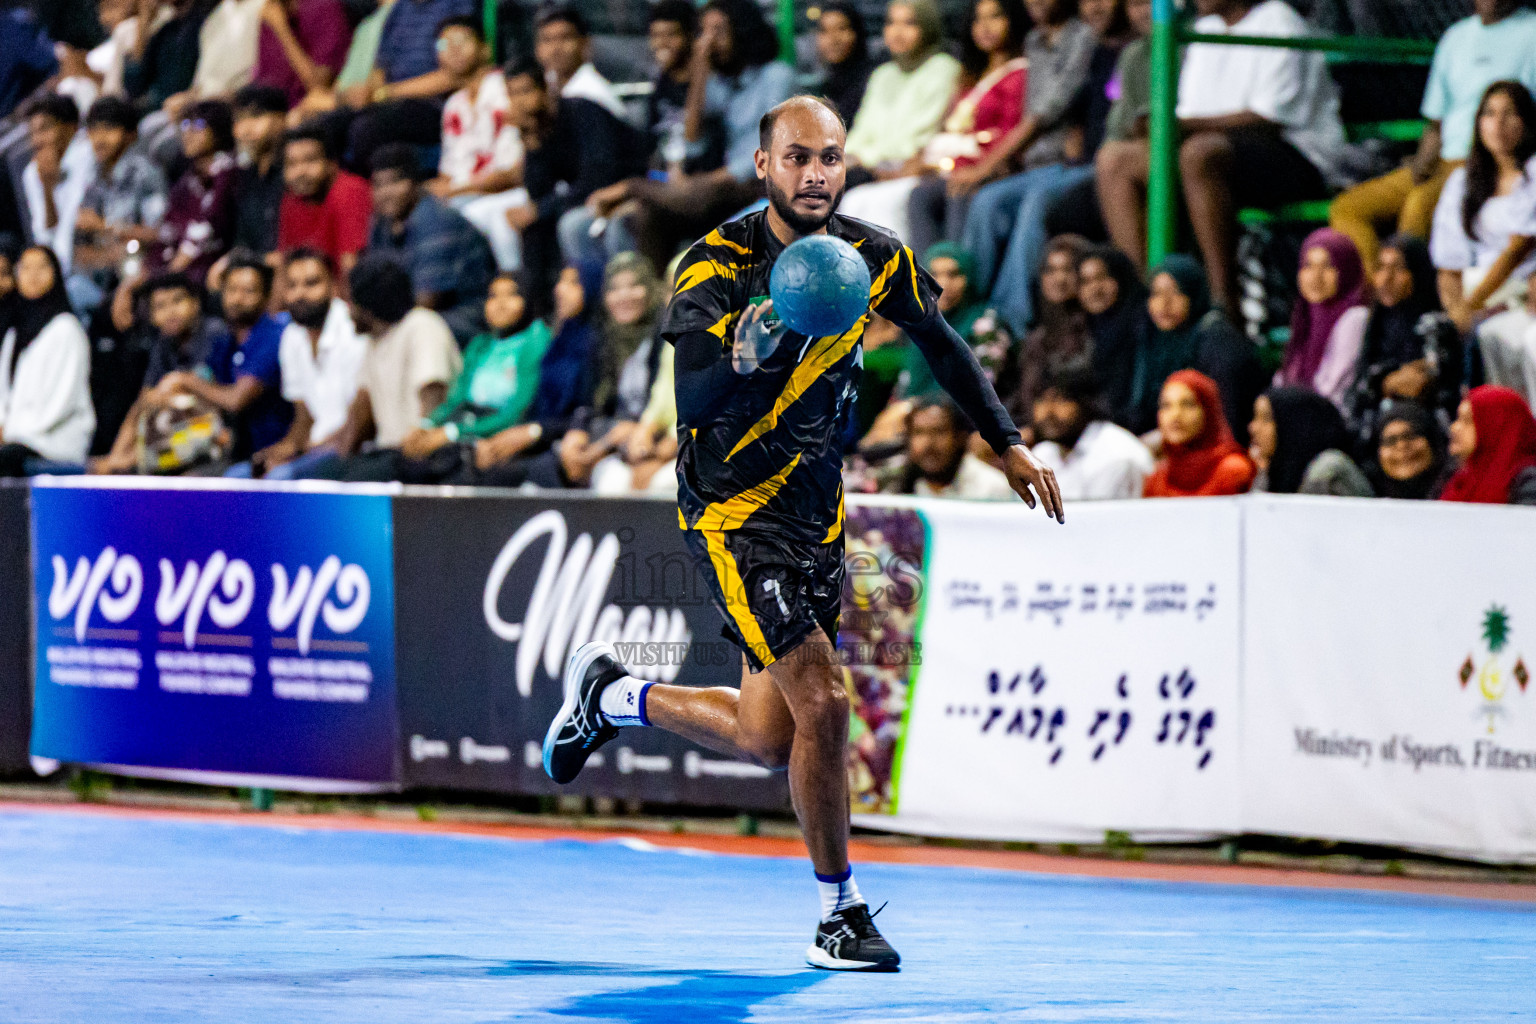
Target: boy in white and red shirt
x,y
480,170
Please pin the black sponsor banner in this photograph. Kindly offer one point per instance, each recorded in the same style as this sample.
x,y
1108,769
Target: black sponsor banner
x,y
16,634
492,595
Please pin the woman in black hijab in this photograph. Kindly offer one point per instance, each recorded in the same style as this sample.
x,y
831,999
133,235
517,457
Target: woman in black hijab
x,y
1299,442
1410,454
30,315
1404,357
1112,295
842,43
32,398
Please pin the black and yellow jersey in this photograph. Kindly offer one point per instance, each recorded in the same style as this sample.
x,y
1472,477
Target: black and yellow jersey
x,y
771,455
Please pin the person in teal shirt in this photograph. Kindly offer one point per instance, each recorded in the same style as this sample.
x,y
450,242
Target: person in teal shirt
x,y
491,393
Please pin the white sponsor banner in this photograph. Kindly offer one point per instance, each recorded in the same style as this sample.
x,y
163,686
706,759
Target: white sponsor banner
x,y
1388,648
1075,679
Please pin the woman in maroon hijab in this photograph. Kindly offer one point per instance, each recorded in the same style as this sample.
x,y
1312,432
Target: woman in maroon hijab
x,y
1328,323
1494,436
1201,458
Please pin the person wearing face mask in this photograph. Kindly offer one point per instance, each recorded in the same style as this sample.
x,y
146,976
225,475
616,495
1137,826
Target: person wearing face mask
x,y
1200,458
46,419
1494,439
1298,442
1410,454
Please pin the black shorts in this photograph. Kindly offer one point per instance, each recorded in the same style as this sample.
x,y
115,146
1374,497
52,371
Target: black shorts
x,y
1268,171
772,592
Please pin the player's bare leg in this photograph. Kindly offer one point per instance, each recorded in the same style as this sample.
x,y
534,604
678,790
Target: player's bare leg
x,y
794,714
753,724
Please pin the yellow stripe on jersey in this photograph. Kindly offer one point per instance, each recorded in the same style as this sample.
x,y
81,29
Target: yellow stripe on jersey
x,y
697,273
723,325
716,238
733,512
735,592
912,262
837,527
822,356
877,286
819,358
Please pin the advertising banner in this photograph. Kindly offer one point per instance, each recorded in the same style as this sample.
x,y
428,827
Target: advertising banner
x,y
1072,680
15,634
495,594
206,628
1389,648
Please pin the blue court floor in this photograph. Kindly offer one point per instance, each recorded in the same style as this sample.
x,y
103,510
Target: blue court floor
x,y
107,919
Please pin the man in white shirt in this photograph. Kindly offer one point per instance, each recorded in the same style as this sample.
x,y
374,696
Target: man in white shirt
x,y
411,360
1260,126
1094,459
321,357
937,463
55,180
564,50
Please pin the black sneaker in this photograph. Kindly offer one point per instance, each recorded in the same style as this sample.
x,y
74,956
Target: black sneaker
x,y
580,728
850,942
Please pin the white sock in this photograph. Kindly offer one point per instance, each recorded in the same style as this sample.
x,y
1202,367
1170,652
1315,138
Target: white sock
x,y
838,892
622,701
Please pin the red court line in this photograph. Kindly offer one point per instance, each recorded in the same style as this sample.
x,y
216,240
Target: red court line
x,y
859,852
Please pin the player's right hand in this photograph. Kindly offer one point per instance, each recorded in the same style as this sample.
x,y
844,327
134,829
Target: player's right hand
x,y
1024,471
753,342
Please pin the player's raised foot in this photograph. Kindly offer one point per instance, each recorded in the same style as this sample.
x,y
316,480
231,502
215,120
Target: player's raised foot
x,y
580,728
849,941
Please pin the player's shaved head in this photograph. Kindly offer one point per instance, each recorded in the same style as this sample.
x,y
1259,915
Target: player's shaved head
x,y
803,117
800,159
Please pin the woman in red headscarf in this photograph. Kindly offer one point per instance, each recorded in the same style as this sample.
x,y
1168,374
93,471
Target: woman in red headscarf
x,y
1201,458
1494,436
1328,323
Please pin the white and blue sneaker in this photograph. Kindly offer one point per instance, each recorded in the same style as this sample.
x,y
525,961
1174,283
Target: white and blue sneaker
x,y
580,727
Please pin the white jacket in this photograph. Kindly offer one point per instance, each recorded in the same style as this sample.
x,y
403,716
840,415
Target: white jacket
x,y
47,406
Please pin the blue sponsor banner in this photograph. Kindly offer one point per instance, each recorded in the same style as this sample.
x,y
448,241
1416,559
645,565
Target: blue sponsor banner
x,y
215,629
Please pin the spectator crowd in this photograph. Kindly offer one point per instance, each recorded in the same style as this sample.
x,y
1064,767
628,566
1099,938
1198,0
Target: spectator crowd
x,y
336,239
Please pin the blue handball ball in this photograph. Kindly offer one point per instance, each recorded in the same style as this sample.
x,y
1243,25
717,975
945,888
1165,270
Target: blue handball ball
x,y
819,286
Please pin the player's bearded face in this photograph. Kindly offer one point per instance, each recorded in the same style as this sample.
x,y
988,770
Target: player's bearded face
x,y
805,204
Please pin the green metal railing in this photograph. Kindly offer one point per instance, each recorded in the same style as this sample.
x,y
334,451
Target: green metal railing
x,y
1168,34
